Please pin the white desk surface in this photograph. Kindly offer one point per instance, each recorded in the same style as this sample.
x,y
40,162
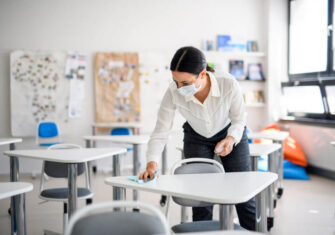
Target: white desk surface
x,y
9,189
4,141
118,124
257,150
223,233
332,143
67,155
125,139
219,188
279,136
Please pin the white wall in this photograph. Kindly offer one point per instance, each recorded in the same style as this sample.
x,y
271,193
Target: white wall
x,y
115,25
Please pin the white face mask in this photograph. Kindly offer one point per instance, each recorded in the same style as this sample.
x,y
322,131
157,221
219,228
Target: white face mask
x,y
188,90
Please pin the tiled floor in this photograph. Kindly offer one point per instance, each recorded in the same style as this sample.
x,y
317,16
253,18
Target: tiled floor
x,y
307,207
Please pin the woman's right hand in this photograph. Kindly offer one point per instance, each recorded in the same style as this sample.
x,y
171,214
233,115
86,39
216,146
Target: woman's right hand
x,y
149,172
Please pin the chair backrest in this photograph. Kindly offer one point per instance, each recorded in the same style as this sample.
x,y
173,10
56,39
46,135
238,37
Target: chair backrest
x,y
47,130
195,166
120,131
102,219
60,170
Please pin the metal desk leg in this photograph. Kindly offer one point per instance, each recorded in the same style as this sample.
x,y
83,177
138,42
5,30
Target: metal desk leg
x,y
72,185
116,172
184,214
92,144
164,171
281,170
136,166
271,201
226,217
261,225
88,144
18,210
164,161
254,163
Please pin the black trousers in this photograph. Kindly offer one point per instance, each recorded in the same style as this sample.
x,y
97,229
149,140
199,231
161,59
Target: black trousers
x,y
198,146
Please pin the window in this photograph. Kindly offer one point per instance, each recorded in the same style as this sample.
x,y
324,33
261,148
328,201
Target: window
x,y
310,93
310,100
310,39
297,102
308,36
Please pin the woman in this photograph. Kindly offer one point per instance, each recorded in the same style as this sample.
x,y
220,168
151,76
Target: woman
x,y
215,123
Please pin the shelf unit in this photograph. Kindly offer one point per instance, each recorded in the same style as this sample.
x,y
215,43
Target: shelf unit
x,y
255,111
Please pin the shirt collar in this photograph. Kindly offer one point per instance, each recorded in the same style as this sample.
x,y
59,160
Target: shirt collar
x,y
214,90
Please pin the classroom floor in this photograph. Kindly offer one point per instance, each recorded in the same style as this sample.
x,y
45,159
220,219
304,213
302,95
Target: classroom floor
x,y
307,207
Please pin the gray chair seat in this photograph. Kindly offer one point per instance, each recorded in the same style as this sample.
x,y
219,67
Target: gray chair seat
x,y
201,226
62,193
118,223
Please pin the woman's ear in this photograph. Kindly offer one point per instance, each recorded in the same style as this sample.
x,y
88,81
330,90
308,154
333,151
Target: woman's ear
x,y
203,73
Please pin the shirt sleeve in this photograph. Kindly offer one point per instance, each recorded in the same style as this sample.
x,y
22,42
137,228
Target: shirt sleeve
x,y
159,137
237,113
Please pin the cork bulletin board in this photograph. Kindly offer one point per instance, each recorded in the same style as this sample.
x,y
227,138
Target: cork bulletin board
x,y
117,87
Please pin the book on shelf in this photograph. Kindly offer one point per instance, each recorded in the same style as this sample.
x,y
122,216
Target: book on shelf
x,y
255,72
236,68
224,43
253,97
252,46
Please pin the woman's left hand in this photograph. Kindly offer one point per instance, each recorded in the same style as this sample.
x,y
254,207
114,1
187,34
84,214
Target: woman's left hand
x,y
227,145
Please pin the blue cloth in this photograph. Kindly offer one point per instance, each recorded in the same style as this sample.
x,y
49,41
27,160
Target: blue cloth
x,y
136,179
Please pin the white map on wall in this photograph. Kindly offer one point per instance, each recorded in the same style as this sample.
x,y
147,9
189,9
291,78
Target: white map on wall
x,y
155,76
39,90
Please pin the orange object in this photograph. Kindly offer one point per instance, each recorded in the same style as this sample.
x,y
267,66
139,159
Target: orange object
x,y
292,150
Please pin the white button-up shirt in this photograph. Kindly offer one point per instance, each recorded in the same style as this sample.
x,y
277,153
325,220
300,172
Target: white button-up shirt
x,y
223,105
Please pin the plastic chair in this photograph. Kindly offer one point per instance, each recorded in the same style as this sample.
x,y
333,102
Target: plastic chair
x,y
195,166
104,219
47,134
60,170
121,131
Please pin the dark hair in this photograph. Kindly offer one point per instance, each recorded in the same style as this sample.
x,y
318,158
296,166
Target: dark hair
x,y
190,60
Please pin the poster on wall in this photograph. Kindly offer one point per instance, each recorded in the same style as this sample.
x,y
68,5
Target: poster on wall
x,y
39,90
117,87
75,71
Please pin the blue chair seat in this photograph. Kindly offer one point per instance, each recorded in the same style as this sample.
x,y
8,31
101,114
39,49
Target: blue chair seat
x,y
201,226
62,193
49,144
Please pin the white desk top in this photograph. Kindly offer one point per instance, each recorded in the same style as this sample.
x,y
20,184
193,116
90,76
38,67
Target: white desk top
x,y
9,141
223,233
257,150
220,188
118,124
332,143
125,139
67,155
279,136
9,189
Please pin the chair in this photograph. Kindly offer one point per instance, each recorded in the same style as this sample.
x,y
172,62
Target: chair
x,y
121,131
47,134
104,218
195,166
60,170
